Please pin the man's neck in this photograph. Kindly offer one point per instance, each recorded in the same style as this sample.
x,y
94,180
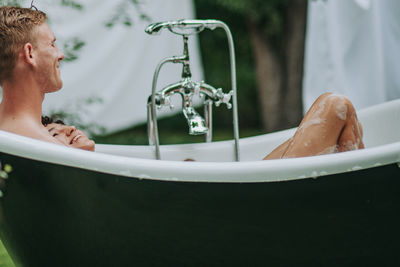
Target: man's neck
x,y
22,99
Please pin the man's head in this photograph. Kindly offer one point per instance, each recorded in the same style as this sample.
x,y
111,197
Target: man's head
x,y
25,36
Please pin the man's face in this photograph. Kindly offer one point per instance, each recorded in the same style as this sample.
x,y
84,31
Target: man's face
x,y
48,59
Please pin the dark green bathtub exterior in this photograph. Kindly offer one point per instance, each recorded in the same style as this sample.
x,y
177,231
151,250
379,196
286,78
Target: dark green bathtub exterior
x,y
52,215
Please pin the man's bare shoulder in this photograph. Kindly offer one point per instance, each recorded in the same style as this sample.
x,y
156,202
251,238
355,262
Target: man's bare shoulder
x,y
27,128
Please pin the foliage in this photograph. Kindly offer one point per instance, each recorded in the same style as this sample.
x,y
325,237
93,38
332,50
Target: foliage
x,y
5,170
215,56
268,15
270,22
72,3
66,3
10,3
124,12
71,48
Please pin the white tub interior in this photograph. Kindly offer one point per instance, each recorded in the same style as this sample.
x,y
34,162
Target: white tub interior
x,y
381,125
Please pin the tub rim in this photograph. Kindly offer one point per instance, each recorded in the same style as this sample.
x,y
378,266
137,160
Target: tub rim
x,y
248,171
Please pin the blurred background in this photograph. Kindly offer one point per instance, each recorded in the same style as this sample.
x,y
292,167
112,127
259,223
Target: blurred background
x,y
287,53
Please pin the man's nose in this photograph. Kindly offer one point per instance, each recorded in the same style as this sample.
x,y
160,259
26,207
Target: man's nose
x,y
61,55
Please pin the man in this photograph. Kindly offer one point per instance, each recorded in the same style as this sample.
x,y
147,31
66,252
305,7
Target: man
x,y
29,68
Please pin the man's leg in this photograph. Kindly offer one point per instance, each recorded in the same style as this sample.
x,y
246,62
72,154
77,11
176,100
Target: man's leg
x,y
330,125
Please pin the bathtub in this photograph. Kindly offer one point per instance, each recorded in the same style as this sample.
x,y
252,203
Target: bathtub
x,y
119,206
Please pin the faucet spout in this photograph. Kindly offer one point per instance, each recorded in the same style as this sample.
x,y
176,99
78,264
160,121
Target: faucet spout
x,y
197,124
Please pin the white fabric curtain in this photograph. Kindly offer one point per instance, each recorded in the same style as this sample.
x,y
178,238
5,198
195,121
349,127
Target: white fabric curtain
x,y
352,48
116,65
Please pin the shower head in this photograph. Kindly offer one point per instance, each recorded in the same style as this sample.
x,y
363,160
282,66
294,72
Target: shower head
x,y
184,26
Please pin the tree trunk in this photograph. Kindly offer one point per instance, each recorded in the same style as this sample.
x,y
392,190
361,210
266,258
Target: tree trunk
x,y
269,79
279,78
295,41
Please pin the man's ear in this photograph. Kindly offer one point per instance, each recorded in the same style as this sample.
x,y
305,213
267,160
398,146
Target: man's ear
x,y
29,56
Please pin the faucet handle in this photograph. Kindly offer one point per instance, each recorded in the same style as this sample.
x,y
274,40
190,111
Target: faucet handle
x,y
163,101
197,88
224,98
167,102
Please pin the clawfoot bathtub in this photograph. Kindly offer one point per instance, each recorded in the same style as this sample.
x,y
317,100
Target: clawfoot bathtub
x,y
118,206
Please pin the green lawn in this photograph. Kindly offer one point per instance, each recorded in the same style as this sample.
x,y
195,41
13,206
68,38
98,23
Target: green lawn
x,y
170,134
5,260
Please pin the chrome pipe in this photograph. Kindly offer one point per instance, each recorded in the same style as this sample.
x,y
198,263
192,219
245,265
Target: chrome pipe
x,y
208,119
171,89
154,125
234,89
150,125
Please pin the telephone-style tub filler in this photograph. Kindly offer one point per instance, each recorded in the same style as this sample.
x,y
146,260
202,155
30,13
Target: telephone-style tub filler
x,y
120,206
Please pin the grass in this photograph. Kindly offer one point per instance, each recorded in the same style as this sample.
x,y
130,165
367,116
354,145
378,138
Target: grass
x,y
169,134
5,260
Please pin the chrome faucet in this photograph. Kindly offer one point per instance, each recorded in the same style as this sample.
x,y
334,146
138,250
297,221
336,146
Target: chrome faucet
x,y
197,125
187,88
